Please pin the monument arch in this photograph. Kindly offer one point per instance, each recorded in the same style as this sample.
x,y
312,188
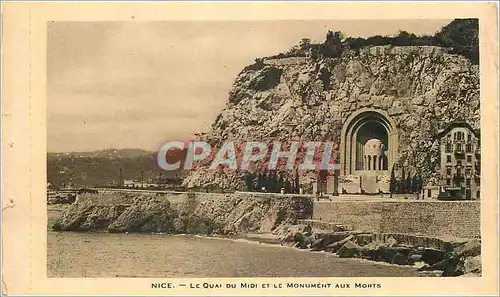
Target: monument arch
x,y
369,143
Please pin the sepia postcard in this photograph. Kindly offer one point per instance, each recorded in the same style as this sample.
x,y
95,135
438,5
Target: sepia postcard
x,y
250,148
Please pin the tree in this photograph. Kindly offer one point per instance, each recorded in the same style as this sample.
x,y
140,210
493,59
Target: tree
x,y
404,38
321,181
273,182
281,182
409,184
463,36
305,43
333,47
296,183
249,181
402,187
260,181
392,182
413,183
288,186
255,182
266,181
418,184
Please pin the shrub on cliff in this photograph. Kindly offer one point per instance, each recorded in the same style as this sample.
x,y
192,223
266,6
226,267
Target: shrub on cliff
x,y
461,35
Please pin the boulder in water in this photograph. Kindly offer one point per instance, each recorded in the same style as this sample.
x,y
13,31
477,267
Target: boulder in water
x,y
334,247
470,249
432,256
472,265
349,250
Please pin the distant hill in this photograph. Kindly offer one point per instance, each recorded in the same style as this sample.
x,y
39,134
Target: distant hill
x,y
107,153
102,167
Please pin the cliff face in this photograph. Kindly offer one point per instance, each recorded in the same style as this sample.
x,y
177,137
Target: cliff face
x,y
422,88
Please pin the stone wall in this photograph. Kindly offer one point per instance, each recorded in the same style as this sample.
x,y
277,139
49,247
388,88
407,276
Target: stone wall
x,y
429,218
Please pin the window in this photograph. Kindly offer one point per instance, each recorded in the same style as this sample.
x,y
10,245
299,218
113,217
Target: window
x,y
448,158
468,148
468,170
448,148
477,194
448,137
469,137
429,192
467,182
448,181
448,170
459,171
458,147
469,158
455,136
459,162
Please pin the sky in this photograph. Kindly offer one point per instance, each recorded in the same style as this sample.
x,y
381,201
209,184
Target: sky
x,y
141,84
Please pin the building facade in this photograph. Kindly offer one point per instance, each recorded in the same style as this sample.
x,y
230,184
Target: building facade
x,y
460,151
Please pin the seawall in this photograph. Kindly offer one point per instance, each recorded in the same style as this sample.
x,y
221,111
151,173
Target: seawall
x,y
417,217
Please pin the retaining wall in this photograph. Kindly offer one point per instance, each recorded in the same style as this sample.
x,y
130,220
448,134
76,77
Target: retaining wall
x,y
428,218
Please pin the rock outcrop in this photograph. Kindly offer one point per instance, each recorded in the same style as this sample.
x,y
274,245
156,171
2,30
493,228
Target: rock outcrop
x,y
422,88
224,214
148,214
87,215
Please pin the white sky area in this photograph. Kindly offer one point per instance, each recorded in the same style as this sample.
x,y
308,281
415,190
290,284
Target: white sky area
x,y
140,84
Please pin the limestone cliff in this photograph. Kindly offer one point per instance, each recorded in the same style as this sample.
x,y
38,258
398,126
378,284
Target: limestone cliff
x,y
422,88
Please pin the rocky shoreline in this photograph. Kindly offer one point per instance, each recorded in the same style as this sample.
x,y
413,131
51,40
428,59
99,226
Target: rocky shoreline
x,y
202,214
456,258
260,218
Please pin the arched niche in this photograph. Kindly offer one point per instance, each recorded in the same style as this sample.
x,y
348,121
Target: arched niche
x,y
360,127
